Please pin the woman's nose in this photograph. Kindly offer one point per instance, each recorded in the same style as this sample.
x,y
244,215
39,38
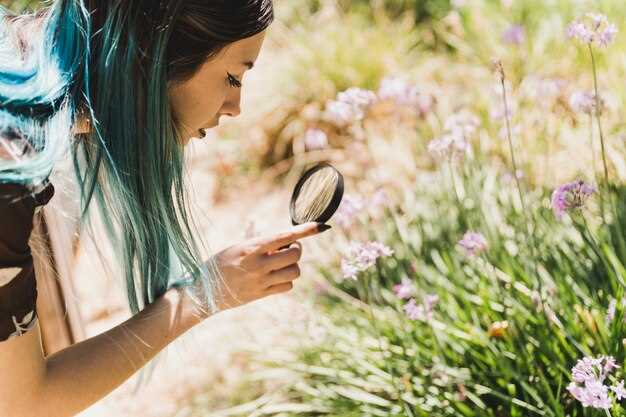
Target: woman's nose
x,y
232,105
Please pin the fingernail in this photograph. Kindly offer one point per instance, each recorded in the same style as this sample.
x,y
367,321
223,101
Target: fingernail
x,y
321,227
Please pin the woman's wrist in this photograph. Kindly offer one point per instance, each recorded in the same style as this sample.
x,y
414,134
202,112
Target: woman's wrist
x,y
189,311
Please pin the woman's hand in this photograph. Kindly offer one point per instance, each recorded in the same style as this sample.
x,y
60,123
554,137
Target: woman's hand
x,y
258,267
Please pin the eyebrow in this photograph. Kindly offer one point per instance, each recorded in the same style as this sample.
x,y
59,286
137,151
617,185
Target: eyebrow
x,y
248,64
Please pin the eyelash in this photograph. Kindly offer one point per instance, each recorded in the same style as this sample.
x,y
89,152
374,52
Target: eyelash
x,y
234,82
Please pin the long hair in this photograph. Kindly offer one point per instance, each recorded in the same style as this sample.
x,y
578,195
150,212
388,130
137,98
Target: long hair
x,y
112,61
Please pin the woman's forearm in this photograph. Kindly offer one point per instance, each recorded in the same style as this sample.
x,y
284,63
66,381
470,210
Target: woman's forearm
x,y
84,373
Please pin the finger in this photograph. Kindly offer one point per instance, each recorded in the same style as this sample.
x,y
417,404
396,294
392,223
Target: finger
x,y
281,276
282,248
280,259
278,289
270,243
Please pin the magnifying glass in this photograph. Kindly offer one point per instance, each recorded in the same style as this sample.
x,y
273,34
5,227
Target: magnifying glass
x,y
317,195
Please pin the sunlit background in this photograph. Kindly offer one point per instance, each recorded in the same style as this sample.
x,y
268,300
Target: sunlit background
x,y
454,282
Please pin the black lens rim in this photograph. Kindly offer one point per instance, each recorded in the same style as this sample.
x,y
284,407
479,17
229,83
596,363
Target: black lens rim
x,y
334,201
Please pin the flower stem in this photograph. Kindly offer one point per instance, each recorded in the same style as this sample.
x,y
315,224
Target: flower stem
x,y
597,113
529,223
599,122
369,301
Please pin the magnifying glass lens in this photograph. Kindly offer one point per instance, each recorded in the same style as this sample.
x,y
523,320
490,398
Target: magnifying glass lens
x,y
316,196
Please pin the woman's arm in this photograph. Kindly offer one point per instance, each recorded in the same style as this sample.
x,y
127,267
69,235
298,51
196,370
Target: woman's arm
x,y
71,380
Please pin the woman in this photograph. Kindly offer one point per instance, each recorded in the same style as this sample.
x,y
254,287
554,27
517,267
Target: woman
x,y
123,85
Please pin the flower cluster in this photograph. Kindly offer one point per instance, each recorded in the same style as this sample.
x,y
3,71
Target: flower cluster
x,y
463,123
350,106
405,94
593,29
571,196
405,289
424,311
588,387
362,256
473,243
449,146
584,102
315,139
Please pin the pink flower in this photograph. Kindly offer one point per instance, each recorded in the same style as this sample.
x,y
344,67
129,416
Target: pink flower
x,y
449,146
570,196
405,94
379,199
348,270
473,243
404,289
593,28
422,312
463,123
349,107
358,98
610,313
348,210
362,256
315,139
582,102
619,390
341,114
587,384
514,35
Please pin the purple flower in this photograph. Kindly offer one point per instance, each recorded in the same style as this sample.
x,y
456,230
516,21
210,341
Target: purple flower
x,y
348,210
405,289
422,312
315,139
349,107
619,390
449,146
473,243
582,102
610,313
587,384
571,196
462,124
379,199
592,394
405,94
514,35
341,114
358,98
593,28
348,270
362,256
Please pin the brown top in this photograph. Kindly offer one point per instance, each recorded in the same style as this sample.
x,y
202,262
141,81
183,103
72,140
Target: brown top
x,y
18,288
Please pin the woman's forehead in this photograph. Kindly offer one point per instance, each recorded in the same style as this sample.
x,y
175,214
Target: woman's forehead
x,y
245,51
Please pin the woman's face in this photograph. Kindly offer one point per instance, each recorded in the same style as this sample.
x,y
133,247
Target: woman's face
x,y
215,90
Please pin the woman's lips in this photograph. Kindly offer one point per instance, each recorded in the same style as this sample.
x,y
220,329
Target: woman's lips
x,y
202,130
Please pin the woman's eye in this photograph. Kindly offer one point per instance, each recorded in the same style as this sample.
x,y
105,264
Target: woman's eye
x,y
234,82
